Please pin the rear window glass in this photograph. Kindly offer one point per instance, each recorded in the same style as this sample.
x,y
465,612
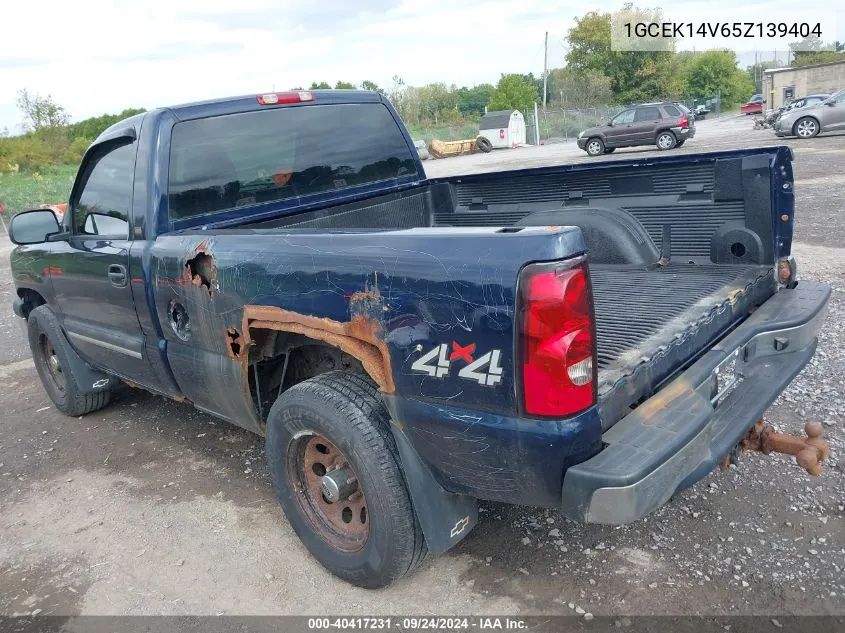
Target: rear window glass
x,y
242,159
672,110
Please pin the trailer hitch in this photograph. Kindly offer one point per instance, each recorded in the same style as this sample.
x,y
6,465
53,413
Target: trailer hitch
x,y
809,453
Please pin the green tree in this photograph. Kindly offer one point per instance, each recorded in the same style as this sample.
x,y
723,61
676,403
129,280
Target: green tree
x,y
371,85
323,85
40,112
514,92
344,85
634,75
473,100
92,127
435,100
579,90
716,71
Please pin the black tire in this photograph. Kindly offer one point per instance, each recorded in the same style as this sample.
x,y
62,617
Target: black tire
x,y
806,127
665,140
345,409
681,142
609,150
51,355
483,144
594,146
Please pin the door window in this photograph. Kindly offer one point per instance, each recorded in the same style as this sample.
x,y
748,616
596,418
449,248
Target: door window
x,y
624,117
647,114
102,207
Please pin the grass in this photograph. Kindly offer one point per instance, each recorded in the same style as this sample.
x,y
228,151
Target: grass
x,y
28,190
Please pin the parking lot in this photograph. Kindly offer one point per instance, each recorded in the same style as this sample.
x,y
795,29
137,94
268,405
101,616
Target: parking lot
x,y
150,507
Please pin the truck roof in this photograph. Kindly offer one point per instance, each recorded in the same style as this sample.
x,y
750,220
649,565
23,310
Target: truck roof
x,y
244,103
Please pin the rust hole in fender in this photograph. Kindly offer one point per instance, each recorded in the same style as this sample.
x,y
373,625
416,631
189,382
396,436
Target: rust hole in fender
x,y
360,337
234,342
201,271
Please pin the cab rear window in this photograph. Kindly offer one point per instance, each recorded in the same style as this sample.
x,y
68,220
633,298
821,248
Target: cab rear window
x,y
239,160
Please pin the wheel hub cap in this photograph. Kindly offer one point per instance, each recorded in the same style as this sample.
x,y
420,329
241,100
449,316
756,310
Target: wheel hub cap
x,y
329,493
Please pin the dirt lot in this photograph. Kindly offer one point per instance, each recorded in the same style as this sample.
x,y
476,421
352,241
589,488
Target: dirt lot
x,y
149,507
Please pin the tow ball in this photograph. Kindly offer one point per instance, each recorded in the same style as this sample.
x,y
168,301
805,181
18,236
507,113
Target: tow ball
x,y
810,452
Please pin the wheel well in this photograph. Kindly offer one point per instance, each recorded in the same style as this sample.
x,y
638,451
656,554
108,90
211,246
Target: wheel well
x,y
31,300
280,360
659,132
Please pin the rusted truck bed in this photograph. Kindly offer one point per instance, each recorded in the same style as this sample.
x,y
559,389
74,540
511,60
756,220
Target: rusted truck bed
x,y
651,321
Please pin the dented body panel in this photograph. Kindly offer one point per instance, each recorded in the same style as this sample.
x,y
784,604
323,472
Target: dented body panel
x,y
415,282
353,291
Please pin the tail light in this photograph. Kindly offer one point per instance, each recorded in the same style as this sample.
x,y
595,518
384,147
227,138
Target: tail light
x,y
274,98
684,121
557,339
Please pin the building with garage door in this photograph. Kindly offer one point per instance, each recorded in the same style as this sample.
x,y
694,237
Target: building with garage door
x,y
503,128
782,84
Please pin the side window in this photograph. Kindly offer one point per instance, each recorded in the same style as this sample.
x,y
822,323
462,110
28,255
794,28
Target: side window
x,y
672,110
103,204
647,114
840,98
624,117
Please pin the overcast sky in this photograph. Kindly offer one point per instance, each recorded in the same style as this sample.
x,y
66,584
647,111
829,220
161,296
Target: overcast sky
x,y
97,56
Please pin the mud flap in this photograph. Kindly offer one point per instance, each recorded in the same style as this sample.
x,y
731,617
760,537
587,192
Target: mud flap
x,y
88,378
445,518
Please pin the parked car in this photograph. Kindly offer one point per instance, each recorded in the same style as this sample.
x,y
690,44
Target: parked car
x,y
282,262
701,111
663,124
754,105
810,120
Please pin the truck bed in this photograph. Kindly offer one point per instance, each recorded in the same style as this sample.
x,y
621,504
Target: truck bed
x,y
709,217
651,321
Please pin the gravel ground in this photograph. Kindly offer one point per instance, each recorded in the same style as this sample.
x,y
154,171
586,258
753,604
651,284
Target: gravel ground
x,y
150,507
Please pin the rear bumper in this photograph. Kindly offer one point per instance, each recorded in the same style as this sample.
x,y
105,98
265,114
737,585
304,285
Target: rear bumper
x,y
679,435
683,133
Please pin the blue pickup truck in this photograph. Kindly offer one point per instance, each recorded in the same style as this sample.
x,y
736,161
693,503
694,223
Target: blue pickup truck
x,y
591,338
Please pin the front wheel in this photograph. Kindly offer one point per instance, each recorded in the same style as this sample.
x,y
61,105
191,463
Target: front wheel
x,y
665,140
337,475
595,147
807,127
51,354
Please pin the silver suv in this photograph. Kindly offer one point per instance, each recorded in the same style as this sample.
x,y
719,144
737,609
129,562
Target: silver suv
x,y
807,122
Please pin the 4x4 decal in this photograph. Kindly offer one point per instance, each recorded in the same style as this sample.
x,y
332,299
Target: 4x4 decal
x,y
437,363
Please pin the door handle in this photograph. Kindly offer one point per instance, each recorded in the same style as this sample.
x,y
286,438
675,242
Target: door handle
x,y
117,275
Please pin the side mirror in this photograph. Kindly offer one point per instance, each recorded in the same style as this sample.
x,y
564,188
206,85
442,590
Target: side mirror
x,y
830,103
33,227
610,124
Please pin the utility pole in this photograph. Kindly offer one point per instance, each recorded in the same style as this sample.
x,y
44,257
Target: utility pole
x,y
545,69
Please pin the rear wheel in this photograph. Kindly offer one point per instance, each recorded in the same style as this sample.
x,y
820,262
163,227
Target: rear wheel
x,y
595,147
665,140
336,473
51,355
807,127
679,143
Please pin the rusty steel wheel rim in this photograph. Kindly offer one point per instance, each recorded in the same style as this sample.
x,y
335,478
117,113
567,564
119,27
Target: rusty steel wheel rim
x,y
51,362
344,524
